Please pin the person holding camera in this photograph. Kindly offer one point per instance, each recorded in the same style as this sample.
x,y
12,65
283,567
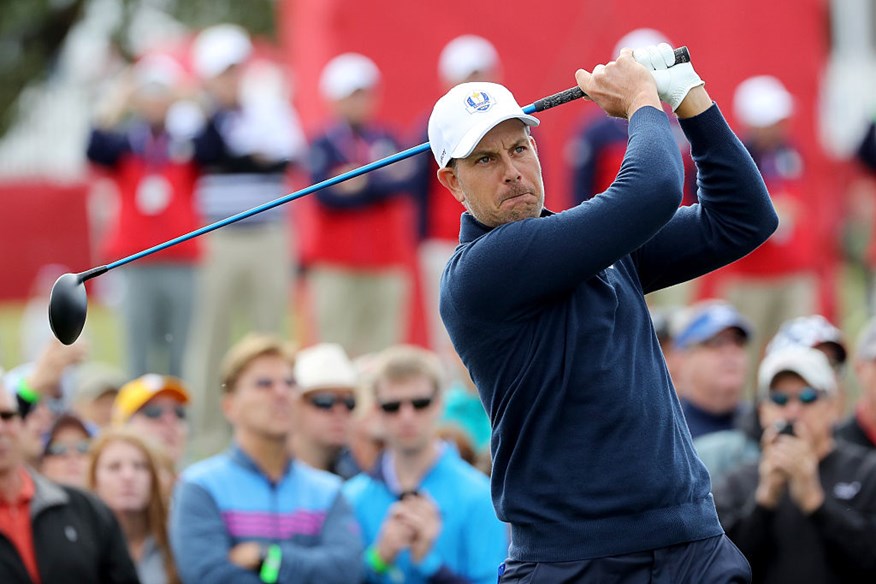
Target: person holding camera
x,y
806,511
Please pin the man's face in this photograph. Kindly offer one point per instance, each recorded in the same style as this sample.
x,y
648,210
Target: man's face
x,y
261,401
409,410
813,419
10,432
324,417
713,372
164,417
500,182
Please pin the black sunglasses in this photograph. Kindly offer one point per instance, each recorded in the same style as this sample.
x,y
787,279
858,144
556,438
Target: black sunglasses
x,y
808,395
57,449
8,415
327,401
420,403
153,412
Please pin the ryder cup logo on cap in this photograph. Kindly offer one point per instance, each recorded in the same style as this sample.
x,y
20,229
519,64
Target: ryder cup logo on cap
x,y
479,101
465,114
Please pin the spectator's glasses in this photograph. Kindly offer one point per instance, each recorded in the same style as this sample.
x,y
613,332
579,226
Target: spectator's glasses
x,y
327,401
8,415
154,412
419,404
60,449
807,396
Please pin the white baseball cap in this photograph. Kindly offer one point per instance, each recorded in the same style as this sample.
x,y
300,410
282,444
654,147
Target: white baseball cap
x,y
762,101
325,366
810,364
464,55
465,114
157,71
219,47
346,74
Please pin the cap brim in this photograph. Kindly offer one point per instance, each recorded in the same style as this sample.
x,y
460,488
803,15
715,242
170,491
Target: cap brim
x,y
473,137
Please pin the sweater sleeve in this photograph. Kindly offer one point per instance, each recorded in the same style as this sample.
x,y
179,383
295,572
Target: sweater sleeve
x,y
734,215
337,560
539,259
200,541
105,148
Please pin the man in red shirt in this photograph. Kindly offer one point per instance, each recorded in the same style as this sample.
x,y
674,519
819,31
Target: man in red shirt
x,y
50,533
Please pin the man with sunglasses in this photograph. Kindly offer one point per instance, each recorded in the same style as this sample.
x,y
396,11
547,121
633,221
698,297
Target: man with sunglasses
x,y
806,512
324,404
426,515
157,407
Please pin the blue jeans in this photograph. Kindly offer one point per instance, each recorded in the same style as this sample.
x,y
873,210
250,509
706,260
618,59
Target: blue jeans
x,y
710,561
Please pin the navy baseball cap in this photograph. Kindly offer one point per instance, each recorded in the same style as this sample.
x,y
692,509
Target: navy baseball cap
x,y
709,319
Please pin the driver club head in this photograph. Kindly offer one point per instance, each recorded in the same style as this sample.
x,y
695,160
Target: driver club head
x,y
68,305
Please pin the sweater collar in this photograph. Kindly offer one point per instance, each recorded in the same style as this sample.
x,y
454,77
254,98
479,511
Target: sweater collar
x,y
470,228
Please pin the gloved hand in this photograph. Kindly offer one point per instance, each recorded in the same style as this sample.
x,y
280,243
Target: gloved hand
x,y
673,81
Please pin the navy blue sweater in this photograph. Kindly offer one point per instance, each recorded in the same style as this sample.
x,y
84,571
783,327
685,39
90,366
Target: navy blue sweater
x,y
591,454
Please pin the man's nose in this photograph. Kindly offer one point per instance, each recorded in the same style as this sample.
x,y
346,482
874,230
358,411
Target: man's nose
x,y
512,173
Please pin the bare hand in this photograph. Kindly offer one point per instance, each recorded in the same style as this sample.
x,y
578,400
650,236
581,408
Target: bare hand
x,y
422,515
395,535
796,458
350,186
247,555
621,87
772,479
51,363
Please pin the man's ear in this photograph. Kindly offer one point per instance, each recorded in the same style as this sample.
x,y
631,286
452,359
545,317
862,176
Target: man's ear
x,y
447,177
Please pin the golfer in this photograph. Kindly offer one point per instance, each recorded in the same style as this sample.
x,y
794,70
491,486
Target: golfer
x,y
593,465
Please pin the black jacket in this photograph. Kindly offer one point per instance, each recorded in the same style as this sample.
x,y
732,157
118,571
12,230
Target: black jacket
x,y
76,539
835,544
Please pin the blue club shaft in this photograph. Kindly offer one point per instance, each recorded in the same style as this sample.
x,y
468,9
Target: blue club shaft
x,y
681,56
404,154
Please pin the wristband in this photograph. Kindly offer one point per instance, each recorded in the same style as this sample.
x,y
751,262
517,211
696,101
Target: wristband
x,y
26,392
269,572
375,562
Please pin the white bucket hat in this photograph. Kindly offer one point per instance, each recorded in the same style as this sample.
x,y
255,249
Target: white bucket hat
x,y
465,114
325,366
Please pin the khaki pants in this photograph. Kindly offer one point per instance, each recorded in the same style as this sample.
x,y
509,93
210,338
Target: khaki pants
x,y
364,311
434,255
246,276
769,302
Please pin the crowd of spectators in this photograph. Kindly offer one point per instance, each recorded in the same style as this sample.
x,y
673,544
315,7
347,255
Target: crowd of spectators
x,y
212,456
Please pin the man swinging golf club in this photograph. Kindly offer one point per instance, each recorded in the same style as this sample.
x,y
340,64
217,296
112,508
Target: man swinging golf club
x,y
593,465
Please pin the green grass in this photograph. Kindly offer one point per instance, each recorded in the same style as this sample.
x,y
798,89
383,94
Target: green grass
x,y
102,332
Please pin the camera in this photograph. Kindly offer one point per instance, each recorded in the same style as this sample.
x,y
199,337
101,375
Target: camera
x,y
785,427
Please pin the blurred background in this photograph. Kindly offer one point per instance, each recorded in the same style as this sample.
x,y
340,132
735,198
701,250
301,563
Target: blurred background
x,y
57,57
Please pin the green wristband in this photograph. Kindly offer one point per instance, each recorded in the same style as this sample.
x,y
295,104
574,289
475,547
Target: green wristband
x,y
26,392
375,562
270,570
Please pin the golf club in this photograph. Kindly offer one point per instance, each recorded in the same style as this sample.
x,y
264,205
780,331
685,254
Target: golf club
x,y
68,302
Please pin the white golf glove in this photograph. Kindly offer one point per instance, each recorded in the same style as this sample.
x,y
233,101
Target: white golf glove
x,y
673,81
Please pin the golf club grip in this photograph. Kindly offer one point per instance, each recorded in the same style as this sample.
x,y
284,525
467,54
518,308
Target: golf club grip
x,y
682,55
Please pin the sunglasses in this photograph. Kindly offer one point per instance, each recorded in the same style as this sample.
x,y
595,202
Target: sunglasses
x,y
327,401
808,395
58,449
8,415
153,412
419,404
